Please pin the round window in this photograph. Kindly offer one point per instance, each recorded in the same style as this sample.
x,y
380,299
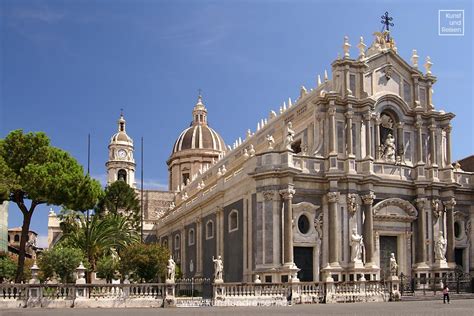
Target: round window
x,y
303,224
457,229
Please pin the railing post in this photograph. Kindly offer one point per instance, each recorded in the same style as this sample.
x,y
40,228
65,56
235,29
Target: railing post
x,y
330,291
126,288
363,290
170,293
81,291
35,293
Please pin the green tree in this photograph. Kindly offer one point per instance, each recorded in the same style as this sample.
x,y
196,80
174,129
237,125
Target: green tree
x,y
7,268
107,268
98,236
60,260
144,262
120,198
31,169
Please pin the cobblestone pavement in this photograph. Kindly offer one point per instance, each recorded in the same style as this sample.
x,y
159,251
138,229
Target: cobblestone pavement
x,y
456,308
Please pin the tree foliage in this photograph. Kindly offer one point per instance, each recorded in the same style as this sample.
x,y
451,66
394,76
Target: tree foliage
x,y
98,236
144,262
61,261
32,169
107,268
120,198
7,268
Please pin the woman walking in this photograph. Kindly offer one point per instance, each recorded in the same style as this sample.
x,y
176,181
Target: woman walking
x,y
445,294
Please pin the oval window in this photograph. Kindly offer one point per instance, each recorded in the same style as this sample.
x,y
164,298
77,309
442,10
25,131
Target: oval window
x,y
303,224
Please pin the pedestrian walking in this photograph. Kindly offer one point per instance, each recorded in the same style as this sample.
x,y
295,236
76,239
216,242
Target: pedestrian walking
x,y
445,294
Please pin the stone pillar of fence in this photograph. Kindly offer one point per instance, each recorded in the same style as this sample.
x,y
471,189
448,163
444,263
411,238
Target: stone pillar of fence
x,y
170,295
126,288
34,290
330,291
81,291
394,283
363,289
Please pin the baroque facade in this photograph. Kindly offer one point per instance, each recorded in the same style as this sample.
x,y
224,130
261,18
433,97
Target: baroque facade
x,y
353,171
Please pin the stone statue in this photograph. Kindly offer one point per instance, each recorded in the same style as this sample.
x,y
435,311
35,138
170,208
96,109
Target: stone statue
x,y
270,141
257,279
393,264
218,268
389,148
357,245
171,270
440,249
290,133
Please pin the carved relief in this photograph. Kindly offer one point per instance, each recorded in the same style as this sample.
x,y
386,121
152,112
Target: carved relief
x,y
368,199
268,195
332,197
436,208
352,204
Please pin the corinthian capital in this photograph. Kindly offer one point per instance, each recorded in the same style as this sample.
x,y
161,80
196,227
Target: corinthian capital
x,y
332,197
421,203
449,204
331,111
287,193
368,199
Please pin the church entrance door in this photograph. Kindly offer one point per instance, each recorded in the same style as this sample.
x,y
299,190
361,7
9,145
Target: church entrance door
x,y
303,257
388,244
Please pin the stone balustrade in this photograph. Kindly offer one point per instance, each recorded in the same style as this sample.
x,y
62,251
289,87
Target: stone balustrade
x,y
221,294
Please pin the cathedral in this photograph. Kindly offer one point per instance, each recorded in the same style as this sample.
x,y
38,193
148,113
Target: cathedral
x,y
329,186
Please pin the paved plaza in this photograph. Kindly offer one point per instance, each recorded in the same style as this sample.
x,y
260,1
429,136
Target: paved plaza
x,y
457,307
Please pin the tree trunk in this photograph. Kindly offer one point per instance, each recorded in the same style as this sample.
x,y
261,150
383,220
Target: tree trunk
x,y
23,240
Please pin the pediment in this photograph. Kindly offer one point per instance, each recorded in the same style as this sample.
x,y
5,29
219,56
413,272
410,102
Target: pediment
x,y
395,209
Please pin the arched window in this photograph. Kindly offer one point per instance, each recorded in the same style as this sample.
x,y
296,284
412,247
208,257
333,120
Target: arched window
x,y
122,175
191,237
165,243
209,229
177,242
233,221
17,238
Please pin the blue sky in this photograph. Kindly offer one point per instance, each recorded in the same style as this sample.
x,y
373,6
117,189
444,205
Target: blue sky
x,y
67,67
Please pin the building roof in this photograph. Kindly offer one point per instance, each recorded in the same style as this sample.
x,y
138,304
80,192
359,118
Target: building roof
x,y
199,135
467,164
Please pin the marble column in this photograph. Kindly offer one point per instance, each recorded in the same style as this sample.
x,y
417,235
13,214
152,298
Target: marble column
x,y
432,128
420,252
349,115
447,129
334,233
377,136
400,140
368,232
419,145
287,195
368,135
219,230
332,129
449,204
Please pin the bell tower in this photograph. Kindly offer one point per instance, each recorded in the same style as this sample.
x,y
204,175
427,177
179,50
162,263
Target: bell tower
x,y
121,164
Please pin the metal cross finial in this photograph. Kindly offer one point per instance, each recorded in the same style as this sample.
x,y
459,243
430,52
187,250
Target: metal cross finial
x,y
386,21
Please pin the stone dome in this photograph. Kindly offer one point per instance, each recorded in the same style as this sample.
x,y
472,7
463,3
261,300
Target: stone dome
x,y
199,135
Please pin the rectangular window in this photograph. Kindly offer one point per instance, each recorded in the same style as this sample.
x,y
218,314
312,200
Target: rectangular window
x,y
406,92
424,145
422,96
408,146
352,84
340,137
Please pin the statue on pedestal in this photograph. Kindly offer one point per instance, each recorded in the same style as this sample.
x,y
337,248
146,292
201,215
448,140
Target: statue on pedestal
x,y
270,141
290,133
170,277
218,268
393,265
357,245
440,248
